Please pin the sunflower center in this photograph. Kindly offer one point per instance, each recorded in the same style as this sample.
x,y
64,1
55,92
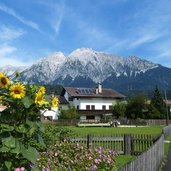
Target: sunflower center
x,y
16,91
3,81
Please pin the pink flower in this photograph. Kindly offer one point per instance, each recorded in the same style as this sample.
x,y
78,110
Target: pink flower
x,y
89,157
56,154
94,167
17,169
96,161
22,169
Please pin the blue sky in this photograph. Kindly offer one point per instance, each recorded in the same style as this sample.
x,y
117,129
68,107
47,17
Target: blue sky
x,y
31,29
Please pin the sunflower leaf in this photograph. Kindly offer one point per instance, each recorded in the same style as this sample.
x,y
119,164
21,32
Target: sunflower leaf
x,y
27,102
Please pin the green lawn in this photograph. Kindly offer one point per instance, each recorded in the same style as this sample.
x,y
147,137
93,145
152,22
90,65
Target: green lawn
x,y
110,130
166,150
121,160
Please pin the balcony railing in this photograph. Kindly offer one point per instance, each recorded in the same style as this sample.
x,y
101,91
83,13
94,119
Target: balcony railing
x,y
94,112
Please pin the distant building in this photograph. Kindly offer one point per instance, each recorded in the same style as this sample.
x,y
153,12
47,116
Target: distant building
x,y
168,104
2,108
91,103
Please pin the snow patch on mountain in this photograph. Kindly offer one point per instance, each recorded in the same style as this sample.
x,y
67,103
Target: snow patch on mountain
x,y
9,70
86,63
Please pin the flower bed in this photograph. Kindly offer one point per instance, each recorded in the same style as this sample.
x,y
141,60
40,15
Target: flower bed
x,y
68,156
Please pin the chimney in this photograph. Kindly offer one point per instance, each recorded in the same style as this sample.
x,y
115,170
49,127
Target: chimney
x,y
97,91
99,88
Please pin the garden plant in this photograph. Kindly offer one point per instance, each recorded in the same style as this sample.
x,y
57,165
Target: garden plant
x,y
20,126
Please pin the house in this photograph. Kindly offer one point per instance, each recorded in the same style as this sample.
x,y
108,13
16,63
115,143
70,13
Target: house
x,y
91,103
168,104
52,113
2,108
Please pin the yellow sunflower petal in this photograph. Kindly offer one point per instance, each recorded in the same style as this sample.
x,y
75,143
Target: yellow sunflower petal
x,y
4,81
42,90
40,100
55,102
17,91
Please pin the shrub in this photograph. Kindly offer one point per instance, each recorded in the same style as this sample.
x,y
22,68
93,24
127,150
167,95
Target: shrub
x,y
68,156
70,113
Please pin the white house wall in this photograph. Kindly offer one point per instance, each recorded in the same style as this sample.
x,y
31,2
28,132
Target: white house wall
x,y
54,113
97,102
66,96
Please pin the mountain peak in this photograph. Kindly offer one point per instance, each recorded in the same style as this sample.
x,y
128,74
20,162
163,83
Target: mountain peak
x,y
55,57
88,64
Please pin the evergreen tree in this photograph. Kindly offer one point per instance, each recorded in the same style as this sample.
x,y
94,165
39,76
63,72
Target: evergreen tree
x,y
153,112
158,103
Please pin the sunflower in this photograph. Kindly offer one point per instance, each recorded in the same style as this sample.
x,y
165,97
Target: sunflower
x,y
4,81
1,74
1,98
42,90
40,100
17,91
55,102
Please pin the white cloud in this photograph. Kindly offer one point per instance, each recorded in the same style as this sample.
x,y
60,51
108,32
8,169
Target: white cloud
x,y
145,37
9,33
7,57
58,14
11,12
6,49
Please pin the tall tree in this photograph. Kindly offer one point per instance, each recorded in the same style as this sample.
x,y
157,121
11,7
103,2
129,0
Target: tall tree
x,y
118,109
136,107
158,103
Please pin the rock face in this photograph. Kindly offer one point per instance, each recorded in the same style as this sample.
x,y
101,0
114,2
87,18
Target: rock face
x,y
85,68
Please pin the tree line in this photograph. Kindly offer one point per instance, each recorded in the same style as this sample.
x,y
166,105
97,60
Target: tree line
x,y
138,106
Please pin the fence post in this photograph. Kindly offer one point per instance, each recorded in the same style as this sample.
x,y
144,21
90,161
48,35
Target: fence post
x,y
89,141
127,144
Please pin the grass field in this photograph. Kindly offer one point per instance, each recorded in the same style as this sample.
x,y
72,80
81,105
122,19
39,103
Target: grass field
x,y
166,150
155,130
121,160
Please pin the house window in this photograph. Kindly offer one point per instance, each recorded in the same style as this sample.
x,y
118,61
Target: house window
x,y
90,117
110,107
87,107
103,107
77,107
92,107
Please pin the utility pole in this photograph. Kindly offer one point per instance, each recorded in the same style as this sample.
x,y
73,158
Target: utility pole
x,y
166,108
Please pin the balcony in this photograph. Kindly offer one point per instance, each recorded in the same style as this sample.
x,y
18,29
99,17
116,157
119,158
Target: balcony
x,y
94,112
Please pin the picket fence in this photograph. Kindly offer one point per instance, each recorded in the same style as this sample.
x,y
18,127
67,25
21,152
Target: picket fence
x,y
149,160
121,143
167,131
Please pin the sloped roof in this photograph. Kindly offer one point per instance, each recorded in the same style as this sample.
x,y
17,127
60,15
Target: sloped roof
x,y
2,107
168,102
62,100
91,93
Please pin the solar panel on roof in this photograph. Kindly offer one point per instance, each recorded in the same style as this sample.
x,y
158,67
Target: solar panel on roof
x,y
85,91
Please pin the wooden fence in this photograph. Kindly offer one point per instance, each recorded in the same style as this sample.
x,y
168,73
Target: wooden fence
x,y
121,143
167,131
149,160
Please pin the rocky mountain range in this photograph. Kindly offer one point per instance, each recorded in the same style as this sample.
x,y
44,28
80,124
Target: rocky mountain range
x,y
85,68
